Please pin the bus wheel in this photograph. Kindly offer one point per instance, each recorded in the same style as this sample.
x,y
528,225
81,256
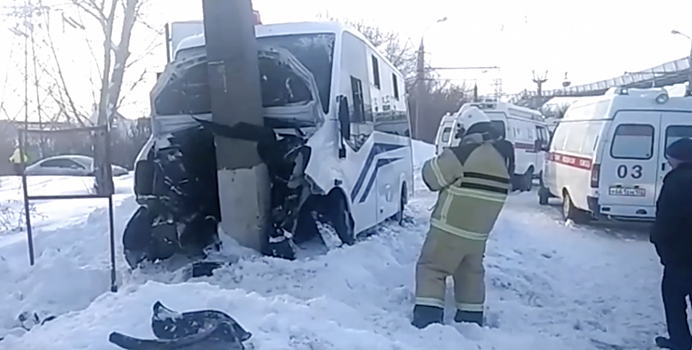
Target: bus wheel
x,y
340,218
399,216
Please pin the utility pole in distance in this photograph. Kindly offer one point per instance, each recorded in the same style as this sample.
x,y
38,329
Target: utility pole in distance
x,y
537,101
539,81
234,84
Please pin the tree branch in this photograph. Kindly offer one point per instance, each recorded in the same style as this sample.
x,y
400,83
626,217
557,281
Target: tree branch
x,y
62,81
93,10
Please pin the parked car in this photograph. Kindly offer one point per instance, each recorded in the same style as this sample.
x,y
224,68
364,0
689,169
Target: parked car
x,y
68,165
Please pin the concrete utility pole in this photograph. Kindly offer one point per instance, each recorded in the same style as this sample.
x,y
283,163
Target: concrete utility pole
x,y
236,97
689,59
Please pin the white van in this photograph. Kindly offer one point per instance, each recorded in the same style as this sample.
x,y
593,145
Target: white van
x,y
346,104
444,132
525,129
607,156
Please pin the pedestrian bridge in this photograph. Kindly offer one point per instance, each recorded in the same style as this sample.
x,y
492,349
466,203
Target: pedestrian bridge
x,y
670,73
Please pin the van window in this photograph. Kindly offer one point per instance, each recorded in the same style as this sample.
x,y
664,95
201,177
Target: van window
x,y
558,142
499,125
542,135
633,141
591,137
575,136
445,134
676,132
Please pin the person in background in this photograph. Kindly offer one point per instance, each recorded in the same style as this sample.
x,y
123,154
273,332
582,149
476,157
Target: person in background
x,y
16,160
473,181
671,235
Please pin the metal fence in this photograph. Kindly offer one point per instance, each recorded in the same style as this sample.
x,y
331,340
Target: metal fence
x,y
104,193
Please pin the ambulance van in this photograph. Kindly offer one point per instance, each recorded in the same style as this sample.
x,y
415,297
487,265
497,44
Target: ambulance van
x,y
443,138
523,127
607,160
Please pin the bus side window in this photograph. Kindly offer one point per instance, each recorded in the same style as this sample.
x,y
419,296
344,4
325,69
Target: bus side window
x,y
356,85
358,110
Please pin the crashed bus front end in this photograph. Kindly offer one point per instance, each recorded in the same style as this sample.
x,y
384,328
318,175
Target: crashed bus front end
x,y
176,176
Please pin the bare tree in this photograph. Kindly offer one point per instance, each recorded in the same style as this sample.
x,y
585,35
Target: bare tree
x,y
400,52
442,95
445,98
116,55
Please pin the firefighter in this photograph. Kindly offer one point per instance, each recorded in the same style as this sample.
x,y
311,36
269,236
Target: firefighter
x,y
473,181
16,160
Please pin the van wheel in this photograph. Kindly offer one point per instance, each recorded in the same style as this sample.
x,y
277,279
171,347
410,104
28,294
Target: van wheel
x,y
527,180
570,212
543,196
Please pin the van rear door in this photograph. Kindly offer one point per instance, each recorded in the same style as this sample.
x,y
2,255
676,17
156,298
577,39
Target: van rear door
x,y
674,126
629,170
444,135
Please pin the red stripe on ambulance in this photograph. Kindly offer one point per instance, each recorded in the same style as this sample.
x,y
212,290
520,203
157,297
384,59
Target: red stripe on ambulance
x,y
573,161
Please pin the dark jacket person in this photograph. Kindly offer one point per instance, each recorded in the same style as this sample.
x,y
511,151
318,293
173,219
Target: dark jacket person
x,y
672,237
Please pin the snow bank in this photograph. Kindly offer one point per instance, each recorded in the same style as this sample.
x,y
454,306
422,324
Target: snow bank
x,y
71,247
422,151
280,322
549,287
677,90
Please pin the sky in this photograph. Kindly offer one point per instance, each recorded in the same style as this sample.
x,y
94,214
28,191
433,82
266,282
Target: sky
x,y
589,40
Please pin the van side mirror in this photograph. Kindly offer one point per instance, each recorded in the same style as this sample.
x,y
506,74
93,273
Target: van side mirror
x,y
344,117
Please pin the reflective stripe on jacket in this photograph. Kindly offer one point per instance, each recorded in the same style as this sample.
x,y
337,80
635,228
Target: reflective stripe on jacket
x,y
473,182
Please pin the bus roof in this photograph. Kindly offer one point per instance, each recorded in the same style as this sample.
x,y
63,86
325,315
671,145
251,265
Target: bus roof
x,y
267,30
197,38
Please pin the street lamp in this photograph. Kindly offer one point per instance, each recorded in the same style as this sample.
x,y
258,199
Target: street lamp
x,y
689,60
420,75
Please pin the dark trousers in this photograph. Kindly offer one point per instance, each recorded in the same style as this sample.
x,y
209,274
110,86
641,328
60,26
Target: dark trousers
x,y
676,286
18,169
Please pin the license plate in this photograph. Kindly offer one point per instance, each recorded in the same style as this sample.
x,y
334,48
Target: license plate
x,y
627,192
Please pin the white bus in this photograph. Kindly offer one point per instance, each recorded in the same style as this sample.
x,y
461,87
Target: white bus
x,y
325,87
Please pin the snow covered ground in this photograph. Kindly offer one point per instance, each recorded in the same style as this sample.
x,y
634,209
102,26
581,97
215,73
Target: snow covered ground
x,y
550,285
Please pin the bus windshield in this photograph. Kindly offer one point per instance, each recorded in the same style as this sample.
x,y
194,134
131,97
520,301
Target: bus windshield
x,y
188,93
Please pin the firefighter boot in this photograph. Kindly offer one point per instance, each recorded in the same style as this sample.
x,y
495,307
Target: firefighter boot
x,y
424,315
469,317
